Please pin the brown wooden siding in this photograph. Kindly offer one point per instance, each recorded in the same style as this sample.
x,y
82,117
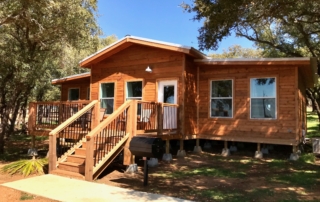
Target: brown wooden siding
x,y
190,108
241,127
130,65
302,119
82,84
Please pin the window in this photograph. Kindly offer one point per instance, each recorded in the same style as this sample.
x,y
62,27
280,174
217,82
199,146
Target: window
x,y
263,98
221,98
107,97
73,94
134,92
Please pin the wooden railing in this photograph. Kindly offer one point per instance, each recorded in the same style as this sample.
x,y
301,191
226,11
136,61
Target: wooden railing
x,y
157,117
68,135
49,115
107,139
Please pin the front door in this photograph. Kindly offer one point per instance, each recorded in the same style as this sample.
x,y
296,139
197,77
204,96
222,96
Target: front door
x,y
167,93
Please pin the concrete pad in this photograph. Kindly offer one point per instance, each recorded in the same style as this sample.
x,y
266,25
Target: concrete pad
x,y
207,145
197,149
265,150
181,153
294,157
73,190
233,149
167,157
258,155
153,162
132,168
225,152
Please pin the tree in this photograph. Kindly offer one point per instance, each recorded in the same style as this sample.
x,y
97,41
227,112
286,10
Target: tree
x,y
32,36
67,65
236,51
280,28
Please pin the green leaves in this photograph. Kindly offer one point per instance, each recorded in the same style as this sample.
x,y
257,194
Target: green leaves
x,y
26,167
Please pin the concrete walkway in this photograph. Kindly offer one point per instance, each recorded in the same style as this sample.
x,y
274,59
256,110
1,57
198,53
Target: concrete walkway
x,y
73,190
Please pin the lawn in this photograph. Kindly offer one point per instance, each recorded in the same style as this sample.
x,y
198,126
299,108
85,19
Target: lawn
x,y
210,177
312,125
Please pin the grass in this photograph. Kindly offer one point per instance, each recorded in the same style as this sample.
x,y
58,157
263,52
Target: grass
x,y
204,171
25,196
312,125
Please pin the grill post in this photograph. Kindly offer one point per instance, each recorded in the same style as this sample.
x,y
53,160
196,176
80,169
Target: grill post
x,y
145,174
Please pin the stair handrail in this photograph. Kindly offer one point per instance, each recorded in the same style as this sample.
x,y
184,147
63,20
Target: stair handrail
x,y
108,120
89,166
53,134
73,118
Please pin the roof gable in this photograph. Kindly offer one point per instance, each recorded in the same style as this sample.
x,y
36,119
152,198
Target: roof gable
x,y
131,40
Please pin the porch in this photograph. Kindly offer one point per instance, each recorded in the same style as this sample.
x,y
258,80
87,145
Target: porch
x,y
83,142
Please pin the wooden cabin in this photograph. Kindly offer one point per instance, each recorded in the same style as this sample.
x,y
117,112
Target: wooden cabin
x,y
74,87
189,96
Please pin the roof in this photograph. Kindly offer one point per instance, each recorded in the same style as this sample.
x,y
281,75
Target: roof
x,y
307,66
131,40
71,78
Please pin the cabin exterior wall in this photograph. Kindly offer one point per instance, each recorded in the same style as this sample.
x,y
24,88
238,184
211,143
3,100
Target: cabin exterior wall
x,y
190,94
241,127
82,84
301,108
130,64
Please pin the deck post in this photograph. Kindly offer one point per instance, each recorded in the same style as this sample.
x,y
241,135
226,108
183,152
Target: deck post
x,y
52,152
294,155
89,159
258,154
225,150
128,158
197,148
167,146
96,115
160,119
181,152
167,156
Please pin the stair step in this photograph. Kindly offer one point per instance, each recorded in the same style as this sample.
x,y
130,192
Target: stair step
x,y
80,151
83,151
76,159
100,146
72,167
68,174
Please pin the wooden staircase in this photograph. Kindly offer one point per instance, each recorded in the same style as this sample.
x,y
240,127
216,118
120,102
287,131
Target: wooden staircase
x,y
74,165
97,143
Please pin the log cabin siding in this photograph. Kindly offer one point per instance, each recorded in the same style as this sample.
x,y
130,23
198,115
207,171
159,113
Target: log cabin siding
x,y
130,64
82,84
241,127
190,109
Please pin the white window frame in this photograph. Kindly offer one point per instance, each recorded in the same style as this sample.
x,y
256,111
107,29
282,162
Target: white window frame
x,y
69,90
220,98
108,98
267,97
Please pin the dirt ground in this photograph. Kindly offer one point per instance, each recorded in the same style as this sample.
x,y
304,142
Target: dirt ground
x,y
189,186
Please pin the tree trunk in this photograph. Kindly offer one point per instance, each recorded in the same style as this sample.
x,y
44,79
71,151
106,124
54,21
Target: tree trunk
x,y
315,103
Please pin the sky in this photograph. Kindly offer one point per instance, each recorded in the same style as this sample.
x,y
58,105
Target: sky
x,y
158,20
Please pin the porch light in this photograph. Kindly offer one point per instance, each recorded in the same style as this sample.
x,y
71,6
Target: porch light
x,y
149,70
